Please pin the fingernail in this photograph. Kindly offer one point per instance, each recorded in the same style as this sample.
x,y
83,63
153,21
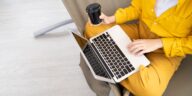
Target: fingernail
x,y
139,54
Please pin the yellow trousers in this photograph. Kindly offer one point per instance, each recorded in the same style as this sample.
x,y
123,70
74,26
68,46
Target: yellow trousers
x,y
153,79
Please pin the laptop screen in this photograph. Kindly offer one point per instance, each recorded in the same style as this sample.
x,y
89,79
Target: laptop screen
x,y
82,42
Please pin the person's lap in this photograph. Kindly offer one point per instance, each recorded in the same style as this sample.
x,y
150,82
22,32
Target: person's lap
x,y
149,81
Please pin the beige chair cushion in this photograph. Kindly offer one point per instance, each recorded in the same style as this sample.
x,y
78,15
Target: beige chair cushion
x,y
181,83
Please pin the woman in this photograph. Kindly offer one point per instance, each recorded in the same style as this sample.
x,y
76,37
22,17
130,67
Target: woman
x,y
163,34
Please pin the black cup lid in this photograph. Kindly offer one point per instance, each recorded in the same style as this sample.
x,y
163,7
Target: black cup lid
x,y
93,7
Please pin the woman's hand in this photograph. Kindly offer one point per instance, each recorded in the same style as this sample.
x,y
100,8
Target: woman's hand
x,y
141,46
107,19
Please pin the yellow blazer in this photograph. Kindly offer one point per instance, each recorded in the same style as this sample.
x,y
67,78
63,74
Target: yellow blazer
x,y
174,26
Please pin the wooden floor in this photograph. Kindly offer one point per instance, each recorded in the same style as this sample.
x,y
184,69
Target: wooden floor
x,y
47,66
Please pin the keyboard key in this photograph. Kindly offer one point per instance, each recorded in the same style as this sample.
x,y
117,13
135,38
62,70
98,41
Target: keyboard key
x,y
119,76
125,71
128,68
122,67
122,73
132,68
104,36
130,65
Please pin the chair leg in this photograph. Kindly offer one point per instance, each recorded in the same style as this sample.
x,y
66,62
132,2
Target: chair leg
x,y
52,27
115,90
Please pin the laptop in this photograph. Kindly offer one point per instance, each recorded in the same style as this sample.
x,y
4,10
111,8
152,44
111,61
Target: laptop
x,y
107,55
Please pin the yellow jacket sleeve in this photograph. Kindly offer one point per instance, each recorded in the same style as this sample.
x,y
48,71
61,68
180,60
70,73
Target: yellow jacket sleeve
x,y
132,12
177,46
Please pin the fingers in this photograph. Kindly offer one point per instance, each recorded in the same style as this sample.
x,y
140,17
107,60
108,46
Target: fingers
x,y
137,50
106,19
141,52
140,41
141,46
102,16
137,47
134,45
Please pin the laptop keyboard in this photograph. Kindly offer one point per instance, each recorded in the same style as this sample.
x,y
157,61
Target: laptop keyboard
x,y
113,56
94,62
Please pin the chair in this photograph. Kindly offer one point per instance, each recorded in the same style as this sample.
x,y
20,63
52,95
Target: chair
x,y
181,83
51,27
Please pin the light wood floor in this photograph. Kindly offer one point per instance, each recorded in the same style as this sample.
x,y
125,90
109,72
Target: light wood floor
x,y
47,66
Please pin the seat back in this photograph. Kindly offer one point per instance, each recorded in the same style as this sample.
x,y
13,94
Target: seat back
x,y
76,9
181,83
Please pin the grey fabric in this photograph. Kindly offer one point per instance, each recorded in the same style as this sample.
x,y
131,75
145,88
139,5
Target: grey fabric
x,y
181,83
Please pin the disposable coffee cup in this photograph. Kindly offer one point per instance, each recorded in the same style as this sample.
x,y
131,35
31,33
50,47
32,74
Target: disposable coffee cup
x,y
94,11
